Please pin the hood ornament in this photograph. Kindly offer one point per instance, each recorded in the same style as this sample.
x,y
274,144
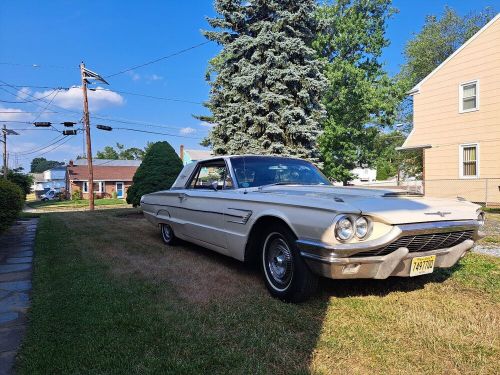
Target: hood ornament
x,y
440,213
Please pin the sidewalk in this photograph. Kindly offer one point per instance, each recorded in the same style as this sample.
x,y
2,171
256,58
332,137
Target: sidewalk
x,y
16,255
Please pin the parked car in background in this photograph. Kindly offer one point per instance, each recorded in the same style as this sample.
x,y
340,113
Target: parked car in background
x,y
284,213
50,195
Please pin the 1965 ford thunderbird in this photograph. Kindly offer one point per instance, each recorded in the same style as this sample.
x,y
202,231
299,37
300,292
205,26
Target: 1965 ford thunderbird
x,y
285,214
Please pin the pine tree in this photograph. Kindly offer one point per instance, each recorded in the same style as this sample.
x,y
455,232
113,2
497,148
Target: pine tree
x,y
266,83
158,171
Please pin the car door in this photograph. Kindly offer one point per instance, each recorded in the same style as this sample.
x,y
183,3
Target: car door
x,y
202,204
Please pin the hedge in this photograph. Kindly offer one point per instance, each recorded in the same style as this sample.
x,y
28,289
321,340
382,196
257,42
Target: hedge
x,y
11,203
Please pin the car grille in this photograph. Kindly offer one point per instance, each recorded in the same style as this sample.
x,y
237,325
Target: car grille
x,y
422,242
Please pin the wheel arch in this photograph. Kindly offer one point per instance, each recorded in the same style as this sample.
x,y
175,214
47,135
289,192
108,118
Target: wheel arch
x,y
256,231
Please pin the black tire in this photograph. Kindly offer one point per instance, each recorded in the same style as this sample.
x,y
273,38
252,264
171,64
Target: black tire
x,y
286,275
167,234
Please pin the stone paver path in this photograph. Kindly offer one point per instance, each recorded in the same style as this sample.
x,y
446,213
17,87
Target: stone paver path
x,y
16,255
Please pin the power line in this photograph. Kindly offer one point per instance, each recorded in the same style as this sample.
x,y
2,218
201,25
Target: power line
x,y
36,65
24,101
21,112
158,59
117,91
149,96
36,149
150,132
47,151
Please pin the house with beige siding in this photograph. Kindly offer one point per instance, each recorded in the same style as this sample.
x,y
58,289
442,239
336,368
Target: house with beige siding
x,y
456,111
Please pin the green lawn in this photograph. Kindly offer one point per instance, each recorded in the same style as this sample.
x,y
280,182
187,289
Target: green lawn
x,y
74,203
110,298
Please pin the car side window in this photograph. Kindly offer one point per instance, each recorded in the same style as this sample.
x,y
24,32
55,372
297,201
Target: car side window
x,y
210,172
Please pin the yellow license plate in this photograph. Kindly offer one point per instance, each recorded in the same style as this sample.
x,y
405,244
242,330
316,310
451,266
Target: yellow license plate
x,y
422,265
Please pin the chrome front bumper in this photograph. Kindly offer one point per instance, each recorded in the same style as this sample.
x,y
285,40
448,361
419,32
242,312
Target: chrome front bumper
x,y
337,261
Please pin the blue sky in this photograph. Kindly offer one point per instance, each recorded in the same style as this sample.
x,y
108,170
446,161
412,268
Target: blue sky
x,y
110,36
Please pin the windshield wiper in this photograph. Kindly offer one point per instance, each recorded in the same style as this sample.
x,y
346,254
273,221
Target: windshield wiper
x,y
276,184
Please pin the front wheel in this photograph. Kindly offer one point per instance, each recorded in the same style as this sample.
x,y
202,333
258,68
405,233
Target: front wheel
x,y
286,275
167,234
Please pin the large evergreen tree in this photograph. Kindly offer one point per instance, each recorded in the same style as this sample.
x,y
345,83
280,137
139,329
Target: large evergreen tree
x,y
266,83
360,94
158,171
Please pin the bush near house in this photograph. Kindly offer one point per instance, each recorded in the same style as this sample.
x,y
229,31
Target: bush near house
x,y
11,202
158,171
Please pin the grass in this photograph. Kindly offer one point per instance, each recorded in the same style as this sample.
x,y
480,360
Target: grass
x,y
79,203
492,229
110,298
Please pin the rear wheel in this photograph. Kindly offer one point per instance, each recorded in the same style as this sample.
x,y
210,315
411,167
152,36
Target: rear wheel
x,y
286,275
167,234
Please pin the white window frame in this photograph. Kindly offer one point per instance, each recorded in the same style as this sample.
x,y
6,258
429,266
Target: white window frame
x,y
101,187
461,96
461,160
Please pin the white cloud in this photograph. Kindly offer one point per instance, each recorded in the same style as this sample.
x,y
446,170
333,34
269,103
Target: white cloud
x,y
73,99
15,114
135,76
154,77
187,131
206,124
23,93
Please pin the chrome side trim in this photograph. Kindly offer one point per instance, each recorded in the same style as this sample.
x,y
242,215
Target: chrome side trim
x,y
318,248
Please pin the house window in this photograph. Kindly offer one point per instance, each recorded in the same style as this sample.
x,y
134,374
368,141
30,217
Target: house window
x,y
469,161
99,187
469,96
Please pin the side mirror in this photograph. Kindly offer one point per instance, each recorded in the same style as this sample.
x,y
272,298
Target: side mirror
x,y
214,185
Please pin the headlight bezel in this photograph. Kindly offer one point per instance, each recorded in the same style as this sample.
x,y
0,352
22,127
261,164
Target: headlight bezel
x,y
352,218
369,227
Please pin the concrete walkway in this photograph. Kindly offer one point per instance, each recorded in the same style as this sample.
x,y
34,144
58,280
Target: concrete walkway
x,y
16,255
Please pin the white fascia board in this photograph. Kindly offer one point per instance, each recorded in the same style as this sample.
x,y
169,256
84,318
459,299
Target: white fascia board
x,y
416,88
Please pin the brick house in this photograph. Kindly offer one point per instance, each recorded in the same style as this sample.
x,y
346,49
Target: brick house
x,y
110,176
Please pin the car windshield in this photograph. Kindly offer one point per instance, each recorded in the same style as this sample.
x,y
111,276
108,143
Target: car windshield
x,y
254,171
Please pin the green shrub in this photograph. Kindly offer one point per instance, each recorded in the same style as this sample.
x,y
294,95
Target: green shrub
x,y
114,195
76,195
158,171
11,203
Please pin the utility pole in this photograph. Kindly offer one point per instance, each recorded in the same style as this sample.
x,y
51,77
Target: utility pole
x,y
6,132
86,124
86,76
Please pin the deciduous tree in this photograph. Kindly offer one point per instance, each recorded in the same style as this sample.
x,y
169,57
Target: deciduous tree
x,y
360,96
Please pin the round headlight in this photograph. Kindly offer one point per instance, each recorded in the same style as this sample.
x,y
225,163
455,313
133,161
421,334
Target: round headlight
x,y
481,218
362,227
344,230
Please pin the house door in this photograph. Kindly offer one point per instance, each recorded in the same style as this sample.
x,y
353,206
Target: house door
x,y
119,189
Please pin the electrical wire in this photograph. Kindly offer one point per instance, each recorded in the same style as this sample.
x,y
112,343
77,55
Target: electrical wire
x,y
158,59
24,101
117,91
54,141
150,132
68,138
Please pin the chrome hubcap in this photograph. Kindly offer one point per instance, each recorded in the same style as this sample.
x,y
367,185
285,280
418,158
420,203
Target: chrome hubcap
x,y
279,261
166,232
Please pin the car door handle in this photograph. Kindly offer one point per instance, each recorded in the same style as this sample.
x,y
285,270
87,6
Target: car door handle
x,y
182,196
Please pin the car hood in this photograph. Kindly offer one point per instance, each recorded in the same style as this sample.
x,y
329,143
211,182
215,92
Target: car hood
x,y
390,206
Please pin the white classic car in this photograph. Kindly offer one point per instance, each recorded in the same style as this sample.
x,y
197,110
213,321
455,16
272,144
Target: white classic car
x,y
284,213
